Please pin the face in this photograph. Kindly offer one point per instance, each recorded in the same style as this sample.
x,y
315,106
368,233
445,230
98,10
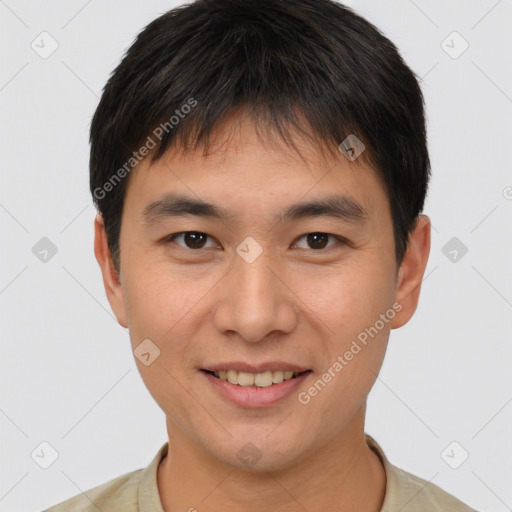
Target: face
x,y
259,281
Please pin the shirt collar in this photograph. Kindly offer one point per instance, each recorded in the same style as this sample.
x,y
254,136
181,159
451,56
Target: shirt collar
x,y
149,497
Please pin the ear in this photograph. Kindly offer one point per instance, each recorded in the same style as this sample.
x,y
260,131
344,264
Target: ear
x,y
411,271
111,280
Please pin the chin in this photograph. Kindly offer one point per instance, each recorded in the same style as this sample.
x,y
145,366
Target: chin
x,y
263,451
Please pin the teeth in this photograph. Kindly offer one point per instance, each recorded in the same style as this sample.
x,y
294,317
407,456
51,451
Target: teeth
x,y
263,380
232,376
277,376
245,379
260,380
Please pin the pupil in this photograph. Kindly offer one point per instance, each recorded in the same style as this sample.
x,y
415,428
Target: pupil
x,y
314,240
194,240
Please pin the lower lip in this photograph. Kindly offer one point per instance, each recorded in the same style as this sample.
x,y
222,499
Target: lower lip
x,y
254,397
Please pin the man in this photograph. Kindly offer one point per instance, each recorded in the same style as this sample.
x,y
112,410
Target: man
x,y
260,168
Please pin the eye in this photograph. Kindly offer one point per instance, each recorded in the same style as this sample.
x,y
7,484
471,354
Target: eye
x,y
190,239
317,241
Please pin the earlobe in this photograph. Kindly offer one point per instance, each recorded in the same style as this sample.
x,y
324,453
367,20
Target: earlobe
x,y
412,269
111,281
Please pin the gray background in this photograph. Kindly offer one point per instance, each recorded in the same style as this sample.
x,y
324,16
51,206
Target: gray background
x,y
68,376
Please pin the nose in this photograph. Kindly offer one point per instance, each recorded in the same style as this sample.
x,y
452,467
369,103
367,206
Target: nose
x,y
255,301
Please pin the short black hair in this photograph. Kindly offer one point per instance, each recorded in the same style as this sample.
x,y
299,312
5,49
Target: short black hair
x,y
313,66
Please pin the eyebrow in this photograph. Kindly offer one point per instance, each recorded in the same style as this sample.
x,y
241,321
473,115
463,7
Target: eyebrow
x,y
340,207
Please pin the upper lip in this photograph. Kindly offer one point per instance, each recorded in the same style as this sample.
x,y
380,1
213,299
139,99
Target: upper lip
x,y
240,366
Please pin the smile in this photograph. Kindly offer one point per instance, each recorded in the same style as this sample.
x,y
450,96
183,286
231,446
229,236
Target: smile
x,y
255,390
260,380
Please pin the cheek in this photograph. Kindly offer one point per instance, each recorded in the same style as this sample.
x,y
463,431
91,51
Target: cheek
x,y
166,306
347,300
159,306
343,383
354,334
158,298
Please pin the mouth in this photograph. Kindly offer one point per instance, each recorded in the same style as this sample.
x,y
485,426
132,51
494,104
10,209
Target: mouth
x,y
256,380
255,390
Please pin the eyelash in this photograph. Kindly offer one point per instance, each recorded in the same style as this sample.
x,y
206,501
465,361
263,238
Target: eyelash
x,y
172,238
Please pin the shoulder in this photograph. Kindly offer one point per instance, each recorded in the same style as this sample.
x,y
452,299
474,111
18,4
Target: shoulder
x,y
415,494
120,493
409,493
131,492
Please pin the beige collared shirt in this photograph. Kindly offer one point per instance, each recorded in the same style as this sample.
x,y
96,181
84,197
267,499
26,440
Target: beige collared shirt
x,y
138,492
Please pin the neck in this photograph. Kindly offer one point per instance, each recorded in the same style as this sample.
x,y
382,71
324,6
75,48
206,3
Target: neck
x,y
343,471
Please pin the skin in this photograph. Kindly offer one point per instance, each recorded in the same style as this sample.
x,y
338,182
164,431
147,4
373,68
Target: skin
x,y
294,303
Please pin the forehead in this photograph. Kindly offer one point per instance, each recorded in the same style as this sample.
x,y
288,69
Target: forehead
x,y
243,168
